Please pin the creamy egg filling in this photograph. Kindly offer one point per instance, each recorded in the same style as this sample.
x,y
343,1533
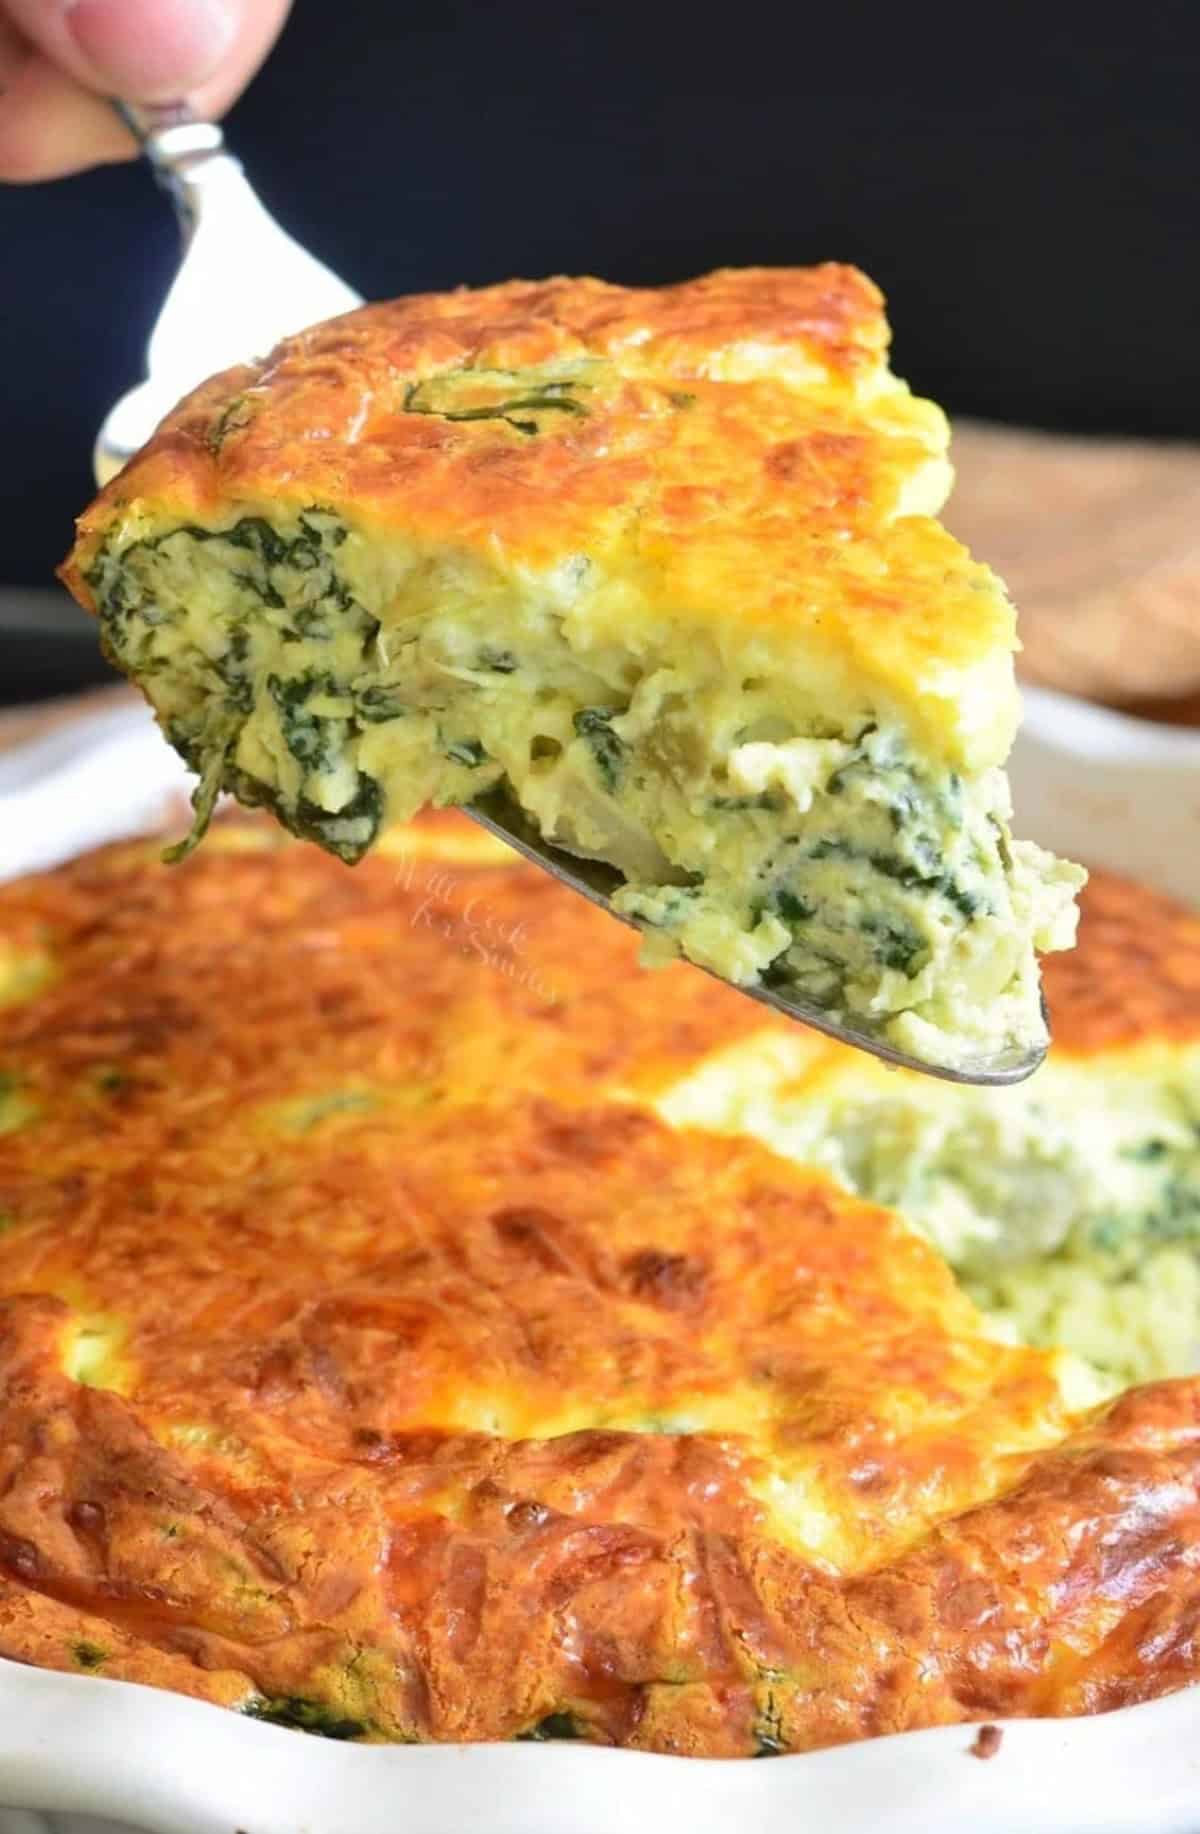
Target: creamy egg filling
x,y
762,829
1068,1206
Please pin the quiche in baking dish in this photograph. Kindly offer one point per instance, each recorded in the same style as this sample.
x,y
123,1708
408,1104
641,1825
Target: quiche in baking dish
x,y
659,568
1069,1206
377,1358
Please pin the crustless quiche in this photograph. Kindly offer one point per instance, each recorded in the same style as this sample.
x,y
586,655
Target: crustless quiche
x,y
376,1357
659,568
1070,1206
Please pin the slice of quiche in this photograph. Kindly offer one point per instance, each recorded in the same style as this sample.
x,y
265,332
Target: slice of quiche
x,y
657,566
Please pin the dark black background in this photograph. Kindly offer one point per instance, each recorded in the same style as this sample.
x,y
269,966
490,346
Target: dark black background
x,y
1023,180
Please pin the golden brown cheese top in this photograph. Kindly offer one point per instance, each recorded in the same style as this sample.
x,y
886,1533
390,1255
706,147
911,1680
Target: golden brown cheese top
x,y
731,451
370,1354
1134,976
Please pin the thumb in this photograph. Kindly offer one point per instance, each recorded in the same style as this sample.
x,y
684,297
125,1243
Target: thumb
x,y
143,50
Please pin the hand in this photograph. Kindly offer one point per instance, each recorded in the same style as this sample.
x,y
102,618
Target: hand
x,y
59,59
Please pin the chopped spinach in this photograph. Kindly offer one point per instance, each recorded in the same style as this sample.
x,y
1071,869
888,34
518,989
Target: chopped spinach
x,y
969,904
1147,1152
1179,1219
227,422
129,610
902,873
232,669
769,800
593,724
253,533
769,1738
816,978
305,1115
262,589
348,831
790,906
901,809
467,751
894,791
375,705
304,1716
553,1726
886,778
674,904
452,396
304,553
204,801
1108,1232
291,574
334,533
89,1655
500,662
314,739
897,944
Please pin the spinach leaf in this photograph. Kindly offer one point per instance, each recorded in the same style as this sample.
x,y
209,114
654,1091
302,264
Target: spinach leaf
x,y
592,724
500,662
467,751
304,1716
897,944
768,800
204,801
553,1726
374,705
1147,1152
349,831
448,397
312,738
232,670
910,877
790,906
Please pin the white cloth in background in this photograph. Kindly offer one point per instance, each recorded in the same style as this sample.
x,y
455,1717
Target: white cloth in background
x,y
98,779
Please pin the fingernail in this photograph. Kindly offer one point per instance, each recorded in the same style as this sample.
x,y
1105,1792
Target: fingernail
x,y
148,53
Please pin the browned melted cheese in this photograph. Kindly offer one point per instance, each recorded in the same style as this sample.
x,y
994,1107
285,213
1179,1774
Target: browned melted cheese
x,y
1135,977
372,1356
749,459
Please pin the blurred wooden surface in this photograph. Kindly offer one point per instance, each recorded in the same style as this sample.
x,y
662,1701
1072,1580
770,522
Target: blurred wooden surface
x,y
1098,541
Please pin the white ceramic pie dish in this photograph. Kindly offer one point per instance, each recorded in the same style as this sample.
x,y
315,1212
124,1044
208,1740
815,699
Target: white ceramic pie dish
x,y
1111,791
